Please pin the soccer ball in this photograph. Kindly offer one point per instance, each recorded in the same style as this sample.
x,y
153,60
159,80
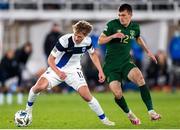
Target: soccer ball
x,y
22,118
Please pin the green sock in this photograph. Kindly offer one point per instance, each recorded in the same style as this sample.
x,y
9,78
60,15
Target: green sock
x,y
122,103
146,97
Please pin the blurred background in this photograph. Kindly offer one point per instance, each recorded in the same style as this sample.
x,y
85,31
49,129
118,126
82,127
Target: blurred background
x,y
28,29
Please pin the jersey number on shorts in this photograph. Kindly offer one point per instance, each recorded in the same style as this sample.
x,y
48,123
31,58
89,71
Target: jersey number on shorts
x,y
80,74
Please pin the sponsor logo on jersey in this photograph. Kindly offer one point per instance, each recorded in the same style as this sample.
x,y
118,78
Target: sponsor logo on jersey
x,y
132,34
119,30
69,50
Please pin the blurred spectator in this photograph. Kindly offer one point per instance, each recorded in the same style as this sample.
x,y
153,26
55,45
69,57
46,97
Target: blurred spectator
x,y
174,50
12,65
51,39
23,54
102,51
8,68
158,74
137,53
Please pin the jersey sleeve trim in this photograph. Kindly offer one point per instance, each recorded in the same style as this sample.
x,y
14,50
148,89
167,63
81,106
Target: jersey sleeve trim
x,y
88,47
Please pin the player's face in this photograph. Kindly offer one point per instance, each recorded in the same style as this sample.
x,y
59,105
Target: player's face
x,y
125,17
78,37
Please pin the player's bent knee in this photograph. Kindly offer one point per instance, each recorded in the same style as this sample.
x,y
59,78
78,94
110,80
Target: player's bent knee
x,y
85,93
141,81
118,94
43,83
40,87
36,89
87,99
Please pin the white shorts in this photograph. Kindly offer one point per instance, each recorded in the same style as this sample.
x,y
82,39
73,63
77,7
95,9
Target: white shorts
x,y
75,78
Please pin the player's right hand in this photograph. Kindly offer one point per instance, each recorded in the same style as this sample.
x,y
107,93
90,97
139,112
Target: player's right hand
x,y
150,54
101,77
118,35
62,75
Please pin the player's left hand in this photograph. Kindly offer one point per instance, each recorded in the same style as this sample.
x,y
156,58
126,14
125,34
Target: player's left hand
x,y
101,77
152,57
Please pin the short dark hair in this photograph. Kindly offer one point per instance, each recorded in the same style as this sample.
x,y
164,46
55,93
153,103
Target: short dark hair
x,y
124,7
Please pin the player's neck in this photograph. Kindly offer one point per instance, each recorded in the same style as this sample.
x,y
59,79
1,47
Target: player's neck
x,y
126,25
75,41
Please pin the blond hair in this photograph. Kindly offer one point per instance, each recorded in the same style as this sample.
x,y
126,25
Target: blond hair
x,y
83,27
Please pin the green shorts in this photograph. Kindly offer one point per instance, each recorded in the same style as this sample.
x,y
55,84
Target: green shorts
x,y
119,74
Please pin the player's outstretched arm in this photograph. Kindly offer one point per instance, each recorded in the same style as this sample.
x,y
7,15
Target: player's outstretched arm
x,y
96,61
103,39
142,43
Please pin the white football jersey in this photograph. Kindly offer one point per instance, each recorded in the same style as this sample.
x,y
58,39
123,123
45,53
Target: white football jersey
x,y
68,54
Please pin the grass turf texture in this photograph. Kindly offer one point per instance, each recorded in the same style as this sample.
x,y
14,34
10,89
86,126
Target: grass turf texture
x,y
70,111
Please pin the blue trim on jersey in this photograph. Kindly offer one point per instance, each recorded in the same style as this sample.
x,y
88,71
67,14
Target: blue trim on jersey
x,y
30,103
64,60
68,54
102,116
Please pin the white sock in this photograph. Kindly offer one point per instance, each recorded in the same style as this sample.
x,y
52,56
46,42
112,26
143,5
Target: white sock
x,y
31,99
1,98
19,98
95,106
9,98
130,112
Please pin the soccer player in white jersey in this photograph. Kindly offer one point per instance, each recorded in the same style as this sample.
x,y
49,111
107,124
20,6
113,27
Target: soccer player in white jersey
x,y
64,65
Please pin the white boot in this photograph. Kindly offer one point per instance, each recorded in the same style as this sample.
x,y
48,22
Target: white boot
x,y
106,121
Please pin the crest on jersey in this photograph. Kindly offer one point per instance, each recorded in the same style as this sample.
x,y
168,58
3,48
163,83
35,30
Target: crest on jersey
x,y
83,49
132,34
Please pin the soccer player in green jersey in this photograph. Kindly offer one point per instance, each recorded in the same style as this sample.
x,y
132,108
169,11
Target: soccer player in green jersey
x,y
119,66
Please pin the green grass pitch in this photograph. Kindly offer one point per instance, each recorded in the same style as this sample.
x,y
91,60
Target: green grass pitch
x,y
70,111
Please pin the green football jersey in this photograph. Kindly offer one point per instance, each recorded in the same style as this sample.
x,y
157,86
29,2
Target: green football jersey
x,y
118,50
